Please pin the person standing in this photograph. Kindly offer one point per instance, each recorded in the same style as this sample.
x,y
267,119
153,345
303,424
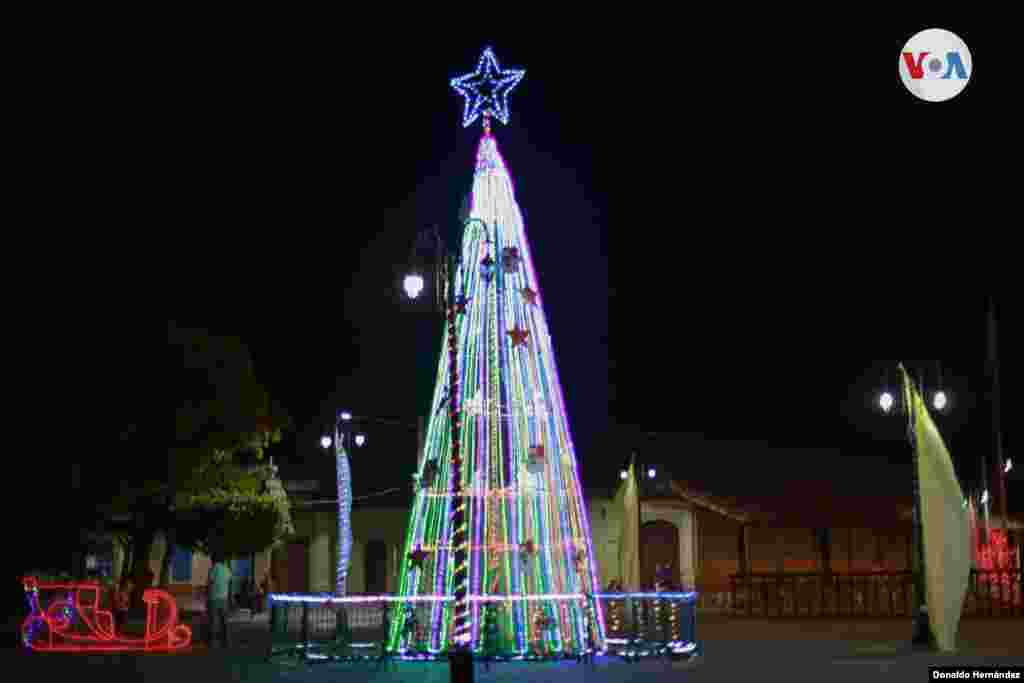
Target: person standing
x,y
266,588
122,599
217,592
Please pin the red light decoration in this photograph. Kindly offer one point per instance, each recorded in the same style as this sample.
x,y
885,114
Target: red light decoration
x,y
48,631
519,336
997,553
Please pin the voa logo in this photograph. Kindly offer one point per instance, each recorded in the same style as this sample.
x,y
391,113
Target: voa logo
x,y
935,65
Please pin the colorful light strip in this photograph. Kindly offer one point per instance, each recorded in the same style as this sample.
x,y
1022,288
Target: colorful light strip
x,y
322,599
691,596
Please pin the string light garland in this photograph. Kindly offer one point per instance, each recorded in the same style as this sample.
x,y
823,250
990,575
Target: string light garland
x,y
996,554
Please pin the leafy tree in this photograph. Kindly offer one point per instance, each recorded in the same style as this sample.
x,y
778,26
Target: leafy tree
x,y
200,479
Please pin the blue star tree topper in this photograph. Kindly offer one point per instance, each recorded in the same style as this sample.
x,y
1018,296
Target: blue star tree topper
x,y
486,90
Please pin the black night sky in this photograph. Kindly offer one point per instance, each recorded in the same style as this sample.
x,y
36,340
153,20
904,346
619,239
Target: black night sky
x,y
721,252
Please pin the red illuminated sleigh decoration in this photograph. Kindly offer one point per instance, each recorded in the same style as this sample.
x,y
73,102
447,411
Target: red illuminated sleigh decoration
x,y
77,624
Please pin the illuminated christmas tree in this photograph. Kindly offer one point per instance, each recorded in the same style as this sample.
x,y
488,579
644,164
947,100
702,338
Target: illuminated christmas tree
x,y
498,441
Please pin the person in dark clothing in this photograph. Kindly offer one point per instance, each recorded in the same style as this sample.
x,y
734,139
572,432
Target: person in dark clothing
x,y
122,600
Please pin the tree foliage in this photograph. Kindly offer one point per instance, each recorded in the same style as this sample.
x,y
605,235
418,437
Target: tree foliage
x,y
201,479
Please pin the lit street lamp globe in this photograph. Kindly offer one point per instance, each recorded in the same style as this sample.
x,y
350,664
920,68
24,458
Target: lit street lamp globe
x,y
885,401
413,285
346,416
360,439
651,473
623,475
939,400
325,441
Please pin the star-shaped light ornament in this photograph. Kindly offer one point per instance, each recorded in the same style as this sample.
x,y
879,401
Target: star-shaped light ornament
x,y
417,557
486,90
520,337
529,296
487,269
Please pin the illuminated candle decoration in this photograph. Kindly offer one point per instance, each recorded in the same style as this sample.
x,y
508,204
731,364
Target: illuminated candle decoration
x,y
507,494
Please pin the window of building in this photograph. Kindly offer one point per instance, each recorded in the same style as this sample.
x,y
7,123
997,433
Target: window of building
x,y
181,565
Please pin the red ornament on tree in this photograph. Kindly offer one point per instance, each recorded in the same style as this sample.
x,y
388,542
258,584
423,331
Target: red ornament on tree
x,y
520,337
535,464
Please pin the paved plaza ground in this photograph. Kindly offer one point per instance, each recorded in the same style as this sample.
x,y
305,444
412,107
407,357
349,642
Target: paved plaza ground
x,y
734,650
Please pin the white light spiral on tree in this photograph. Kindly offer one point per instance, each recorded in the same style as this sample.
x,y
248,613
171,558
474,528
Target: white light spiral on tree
x,y
344,516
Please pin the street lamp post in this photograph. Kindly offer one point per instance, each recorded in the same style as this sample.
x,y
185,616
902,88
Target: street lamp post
x,y
445,264
343,436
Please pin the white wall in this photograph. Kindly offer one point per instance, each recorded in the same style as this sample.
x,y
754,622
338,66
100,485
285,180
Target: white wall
x,y
389,525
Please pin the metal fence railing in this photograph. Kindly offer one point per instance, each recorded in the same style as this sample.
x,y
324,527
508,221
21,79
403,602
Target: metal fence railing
x,y
316,627
645,624
875,594
321,627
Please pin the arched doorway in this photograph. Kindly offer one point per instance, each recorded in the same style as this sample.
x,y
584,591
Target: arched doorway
x,y
659,544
